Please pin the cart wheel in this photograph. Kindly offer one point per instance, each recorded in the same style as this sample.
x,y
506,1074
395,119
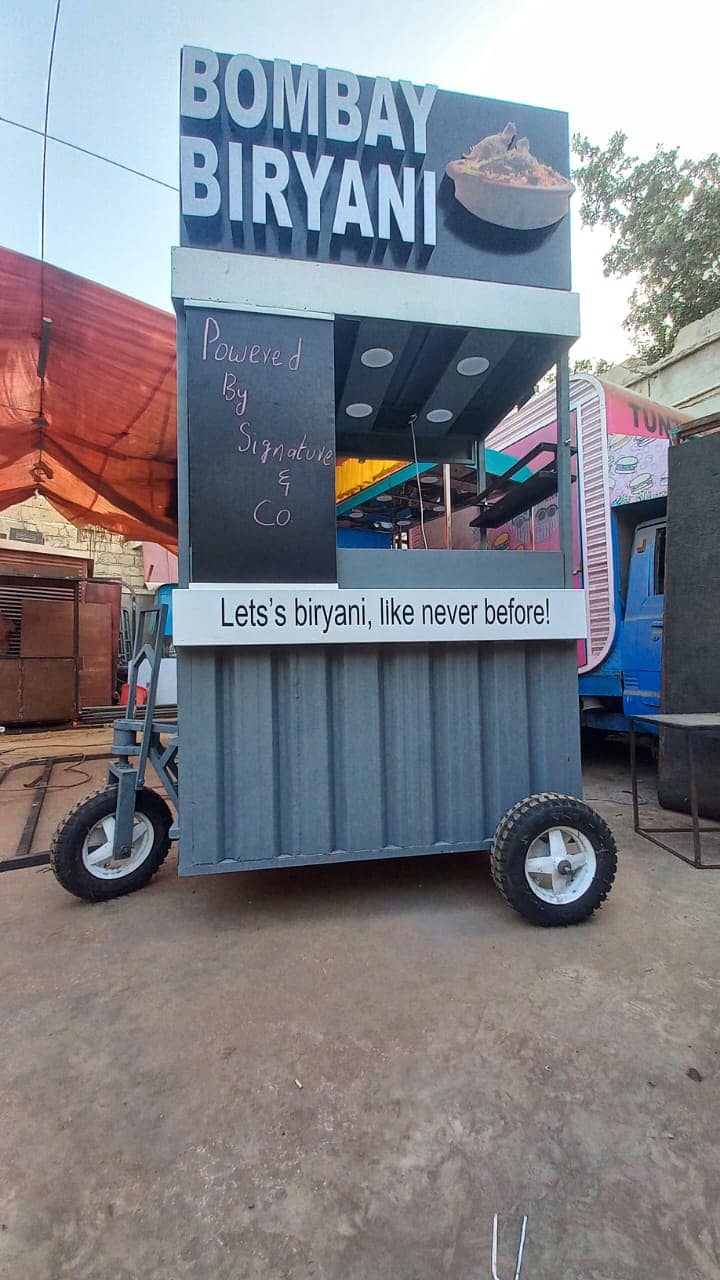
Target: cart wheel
x,y
553,859
81,851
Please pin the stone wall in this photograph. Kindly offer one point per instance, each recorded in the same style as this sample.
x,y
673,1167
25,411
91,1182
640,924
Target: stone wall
x,y
114,557
688,378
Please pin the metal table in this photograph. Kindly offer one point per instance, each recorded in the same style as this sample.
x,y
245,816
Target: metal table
x,y
693,725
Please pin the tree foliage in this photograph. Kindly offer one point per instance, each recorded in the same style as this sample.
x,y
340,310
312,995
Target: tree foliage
x,y
586,365
664,217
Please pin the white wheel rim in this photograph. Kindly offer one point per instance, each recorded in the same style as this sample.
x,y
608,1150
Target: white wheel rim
x,y
560,865
97,848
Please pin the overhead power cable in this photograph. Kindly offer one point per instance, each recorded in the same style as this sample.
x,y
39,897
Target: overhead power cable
x,y
45,324
96,155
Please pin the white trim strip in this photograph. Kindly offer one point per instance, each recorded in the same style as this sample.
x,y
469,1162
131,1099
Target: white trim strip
x,y
264,311
257,586
276,284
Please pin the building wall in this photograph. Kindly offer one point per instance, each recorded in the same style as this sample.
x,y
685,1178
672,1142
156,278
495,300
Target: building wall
x,y
688,378
114,557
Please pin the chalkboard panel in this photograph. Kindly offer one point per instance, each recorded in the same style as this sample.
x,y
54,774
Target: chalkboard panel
x,y
261,426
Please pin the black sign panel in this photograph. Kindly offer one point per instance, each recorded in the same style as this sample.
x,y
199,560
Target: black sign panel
x,y
261,426
325,165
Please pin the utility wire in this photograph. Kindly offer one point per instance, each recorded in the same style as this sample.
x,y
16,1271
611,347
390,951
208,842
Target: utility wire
x,y
45,129
74,146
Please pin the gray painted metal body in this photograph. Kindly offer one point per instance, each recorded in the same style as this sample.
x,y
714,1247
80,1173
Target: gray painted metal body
x,y
298,756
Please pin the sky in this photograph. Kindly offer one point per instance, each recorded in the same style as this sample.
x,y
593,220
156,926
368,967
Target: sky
x,y
648,69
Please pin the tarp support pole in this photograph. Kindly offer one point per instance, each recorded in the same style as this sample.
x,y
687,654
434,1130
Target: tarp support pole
x,y
565,497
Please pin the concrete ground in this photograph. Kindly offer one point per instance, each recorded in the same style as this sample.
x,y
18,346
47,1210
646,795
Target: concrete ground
x,y
343,1073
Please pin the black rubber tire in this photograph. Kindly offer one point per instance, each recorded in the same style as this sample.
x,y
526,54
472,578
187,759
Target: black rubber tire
x,y
524,823
66,849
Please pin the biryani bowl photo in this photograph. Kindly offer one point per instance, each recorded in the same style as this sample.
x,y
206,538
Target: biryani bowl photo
x,y
500,181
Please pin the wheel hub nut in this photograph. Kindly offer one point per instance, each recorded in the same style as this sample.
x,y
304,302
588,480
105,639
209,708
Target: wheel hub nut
x,y
564,867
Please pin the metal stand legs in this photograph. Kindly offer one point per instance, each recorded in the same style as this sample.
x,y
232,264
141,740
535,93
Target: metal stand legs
x,y
650,833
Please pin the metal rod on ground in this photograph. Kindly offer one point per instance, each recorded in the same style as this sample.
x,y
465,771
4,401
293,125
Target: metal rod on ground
x,y
31,821
521,1247
564,442
22,858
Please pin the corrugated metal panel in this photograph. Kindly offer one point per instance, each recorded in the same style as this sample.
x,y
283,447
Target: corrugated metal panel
x,y
15,591
97,648
40,562
48,690
598,568
309,755
37,636
47,629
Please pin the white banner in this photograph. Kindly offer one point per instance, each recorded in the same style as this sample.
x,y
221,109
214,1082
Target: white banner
x,y
241,615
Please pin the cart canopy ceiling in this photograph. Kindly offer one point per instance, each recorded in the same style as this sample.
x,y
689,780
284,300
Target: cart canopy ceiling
x,y
98,437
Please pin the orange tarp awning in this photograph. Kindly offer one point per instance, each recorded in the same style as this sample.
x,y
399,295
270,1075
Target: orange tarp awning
x,y
351,475
104,451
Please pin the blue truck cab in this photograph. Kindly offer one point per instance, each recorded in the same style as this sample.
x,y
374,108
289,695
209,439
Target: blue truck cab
x,y
627,682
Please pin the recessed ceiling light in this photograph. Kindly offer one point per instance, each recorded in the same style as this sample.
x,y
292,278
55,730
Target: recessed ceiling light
x,y
358,410
376,357
439,507
356,515
471,366
382,524
434,480
404,524
384,497
439,415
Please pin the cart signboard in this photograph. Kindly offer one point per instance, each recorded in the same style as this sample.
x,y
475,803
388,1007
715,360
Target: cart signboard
x,y
227,616
326,165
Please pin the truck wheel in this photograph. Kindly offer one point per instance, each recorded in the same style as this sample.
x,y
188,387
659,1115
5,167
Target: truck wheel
x,y
553,859
81,851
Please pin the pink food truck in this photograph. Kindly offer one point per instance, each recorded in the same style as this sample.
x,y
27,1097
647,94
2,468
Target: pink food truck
x,y
620,442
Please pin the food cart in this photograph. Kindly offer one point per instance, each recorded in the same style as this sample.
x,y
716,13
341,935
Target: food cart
x,y
367,268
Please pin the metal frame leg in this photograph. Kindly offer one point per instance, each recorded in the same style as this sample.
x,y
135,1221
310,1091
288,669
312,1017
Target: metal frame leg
x,y
564,453
633,778
650,833
137,738
124,811
692,782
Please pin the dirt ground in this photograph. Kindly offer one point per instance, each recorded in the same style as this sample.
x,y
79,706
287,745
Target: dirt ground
x,y
344,1072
